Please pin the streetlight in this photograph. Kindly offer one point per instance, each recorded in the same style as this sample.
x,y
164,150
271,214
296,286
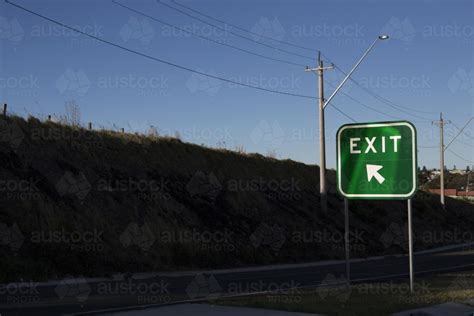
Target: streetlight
x,y
322,105
379,38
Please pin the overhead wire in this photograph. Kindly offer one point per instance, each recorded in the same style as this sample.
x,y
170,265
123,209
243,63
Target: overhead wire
x,y
398,107
380,98
243,29
155,58
231,32
205,37
460,157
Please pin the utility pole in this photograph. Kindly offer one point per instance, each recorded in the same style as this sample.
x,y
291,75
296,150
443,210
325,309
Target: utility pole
x,y
322,105
441,124
322,138
468,180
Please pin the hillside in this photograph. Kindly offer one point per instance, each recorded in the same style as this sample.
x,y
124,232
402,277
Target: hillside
x,y
79,202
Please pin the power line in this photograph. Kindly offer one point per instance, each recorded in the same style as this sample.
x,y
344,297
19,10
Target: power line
x,y
205,37
382,99
462,130
242,29
459,133
369,107
339,110
342,112
460,157
155,58
372,108
233,33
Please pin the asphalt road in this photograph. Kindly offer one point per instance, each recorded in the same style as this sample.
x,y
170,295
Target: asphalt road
x,y
69,297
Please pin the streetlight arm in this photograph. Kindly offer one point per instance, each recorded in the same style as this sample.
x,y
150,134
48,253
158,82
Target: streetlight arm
x,y
352,70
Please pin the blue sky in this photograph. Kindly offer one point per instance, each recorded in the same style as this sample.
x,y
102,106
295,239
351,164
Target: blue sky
x,y
427,65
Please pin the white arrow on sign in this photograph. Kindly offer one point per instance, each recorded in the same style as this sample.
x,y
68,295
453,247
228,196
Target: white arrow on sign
x,y
373,172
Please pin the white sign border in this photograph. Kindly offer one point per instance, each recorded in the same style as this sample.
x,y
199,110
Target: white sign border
x,y
365,125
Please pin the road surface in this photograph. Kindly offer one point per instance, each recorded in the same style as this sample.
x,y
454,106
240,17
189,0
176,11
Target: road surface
x,y
76,296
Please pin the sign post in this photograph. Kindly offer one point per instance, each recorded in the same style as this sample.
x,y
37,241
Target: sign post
x,y
347,241
410,244
378,161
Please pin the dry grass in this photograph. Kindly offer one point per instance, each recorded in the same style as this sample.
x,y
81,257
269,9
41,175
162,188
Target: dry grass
x,y
367,299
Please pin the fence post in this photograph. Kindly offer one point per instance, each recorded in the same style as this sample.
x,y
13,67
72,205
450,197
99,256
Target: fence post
x,y
90,125
49,118
5,109
122,130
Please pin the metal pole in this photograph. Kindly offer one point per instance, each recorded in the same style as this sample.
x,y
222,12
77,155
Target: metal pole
x,y
467,184
322,140
347,241
410,244
353,69
441,158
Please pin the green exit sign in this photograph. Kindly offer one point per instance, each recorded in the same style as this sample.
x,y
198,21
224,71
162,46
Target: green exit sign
x,y
377,160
